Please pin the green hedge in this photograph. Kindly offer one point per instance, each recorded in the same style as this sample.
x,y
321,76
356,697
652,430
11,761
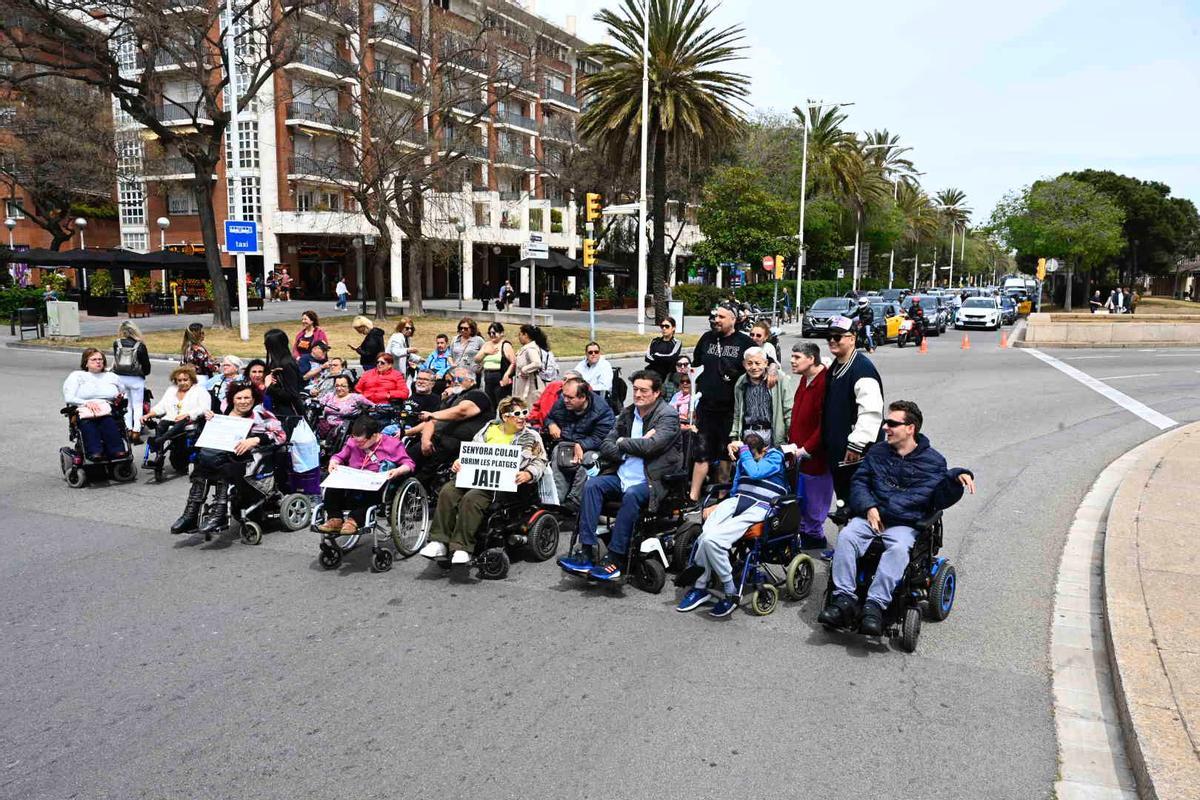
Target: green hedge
x,y
15,297
698,300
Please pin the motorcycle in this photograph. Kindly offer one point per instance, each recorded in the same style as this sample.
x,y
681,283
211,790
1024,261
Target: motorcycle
x,y
909,331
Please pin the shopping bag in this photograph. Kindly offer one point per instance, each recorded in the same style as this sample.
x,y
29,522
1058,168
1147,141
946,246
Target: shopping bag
x,y
304,450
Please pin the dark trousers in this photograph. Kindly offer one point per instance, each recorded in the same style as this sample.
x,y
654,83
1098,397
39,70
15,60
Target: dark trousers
x,y
338,501
595,492
220,465
102,437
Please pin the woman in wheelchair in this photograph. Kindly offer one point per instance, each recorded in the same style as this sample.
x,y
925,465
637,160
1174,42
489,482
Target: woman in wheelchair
x,y
895,488
219,468
339,404
369,450
185,402
92,390
760,479
460,513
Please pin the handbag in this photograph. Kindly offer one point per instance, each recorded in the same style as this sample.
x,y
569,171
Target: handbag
x,y
86,412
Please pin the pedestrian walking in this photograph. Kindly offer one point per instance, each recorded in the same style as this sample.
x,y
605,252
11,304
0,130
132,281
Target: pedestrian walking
x,y
131,364
343,293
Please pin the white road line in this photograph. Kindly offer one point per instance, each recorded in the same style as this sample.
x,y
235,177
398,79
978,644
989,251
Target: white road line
x,y
1121,377
1085,358
1176,355
1160,421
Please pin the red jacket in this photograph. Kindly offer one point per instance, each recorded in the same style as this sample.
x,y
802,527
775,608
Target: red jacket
x,y
541,409
380,387
805,430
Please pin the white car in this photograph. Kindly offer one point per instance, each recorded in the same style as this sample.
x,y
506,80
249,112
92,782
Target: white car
x,y
979,312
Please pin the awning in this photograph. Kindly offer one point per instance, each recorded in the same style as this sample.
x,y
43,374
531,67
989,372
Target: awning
x,y
560,262
115,258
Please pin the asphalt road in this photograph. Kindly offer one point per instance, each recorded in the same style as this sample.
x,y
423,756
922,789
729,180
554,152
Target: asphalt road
x,y
138,665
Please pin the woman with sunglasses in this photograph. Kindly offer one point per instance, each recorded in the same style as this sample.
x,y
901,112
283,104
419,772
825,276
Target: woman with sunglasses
x,y
460,513
495,357
466,344
383,384
664,350
400,346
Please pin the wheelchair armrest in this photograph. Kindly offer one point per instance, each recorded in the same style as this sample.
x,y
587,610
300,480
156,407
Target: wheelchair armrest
x,y
930,521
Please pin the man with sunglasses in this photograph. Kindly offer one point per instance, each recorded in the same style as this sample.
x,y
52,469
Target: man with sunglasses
x,y
578,423
893,489
853,406
466,410
596,370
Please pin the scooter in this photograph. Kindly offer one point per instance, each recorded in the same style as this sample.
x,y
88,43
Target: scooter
x,y
909,331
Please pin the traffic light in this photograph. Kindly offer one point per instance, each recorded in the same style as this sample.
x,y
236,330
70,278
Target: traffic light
x,y
1041,269
779,268
593,206
589,253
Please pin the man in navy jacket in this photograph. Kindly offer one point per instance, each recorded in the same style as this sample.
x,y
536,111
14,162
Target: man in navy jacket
x,y
578,421
894,488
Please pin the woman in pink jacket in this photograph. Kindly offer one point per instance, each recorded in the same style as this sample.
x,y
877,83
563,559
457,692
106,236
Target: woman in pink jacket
x,y
366,449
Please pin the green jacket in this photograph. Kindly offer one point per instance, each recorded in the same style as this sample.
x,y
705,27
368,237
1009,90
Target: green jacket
x,y
781,407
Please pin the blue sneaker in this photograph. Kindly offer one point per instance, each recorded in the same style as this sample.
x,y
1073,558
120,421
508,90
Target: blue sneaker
x,y
724,607
608,569
577,563
694,599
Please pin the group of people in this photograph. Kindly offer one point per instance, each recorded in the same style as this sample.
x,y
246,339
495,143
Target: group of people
x,y
1121,300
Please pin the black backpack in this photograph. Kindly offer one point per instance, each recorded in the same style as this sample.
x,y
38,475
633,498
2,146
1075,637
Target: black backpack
x,y
125,360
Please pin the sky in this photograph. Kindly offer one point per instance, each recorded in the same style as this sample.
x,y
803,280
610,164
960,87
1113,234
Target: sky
x,y
990,96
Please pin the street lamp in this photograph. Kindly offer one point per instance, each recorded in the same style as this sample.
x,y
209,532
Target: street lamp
x,y
81,224
10,223
461,227
163,223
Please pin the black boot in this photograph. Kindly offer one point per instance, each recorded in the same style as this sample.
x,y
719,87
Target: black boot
x,y
218,520
872,620
191,512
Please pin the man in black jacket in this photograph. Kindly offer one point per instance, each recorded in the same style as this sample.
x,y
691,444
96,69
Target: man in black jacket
x,y
639,452
894,488
720,354
578,422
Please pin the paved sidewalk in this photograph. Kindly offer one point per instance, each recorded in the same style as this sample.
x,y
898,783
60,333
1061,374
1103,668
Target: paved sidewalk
x,y
1152,603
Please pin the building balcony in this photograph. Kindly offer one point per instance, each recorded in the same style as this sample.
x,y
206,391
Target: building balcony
x,y
391,34
167,169
559,130
472,60
466,147
323,63
511,119
471,107
560,98
395,82
513,158
312,168
333,12
324,118
163,62
511,196
184,114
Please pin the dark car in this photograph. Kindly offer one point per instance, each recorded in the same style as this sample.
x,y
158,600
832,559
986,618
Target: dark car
x,y
933,324
816,318
894,295
1008,310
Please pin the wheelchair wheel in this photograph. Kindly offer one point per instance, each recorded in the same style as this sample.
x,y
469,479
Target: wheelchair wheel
x,y
382,560
800,573
941,594
331,555
295,511
252,532
911,629
649,574
408,517
543,538
124,472
76,478
765,600
178,456
493,564
681,550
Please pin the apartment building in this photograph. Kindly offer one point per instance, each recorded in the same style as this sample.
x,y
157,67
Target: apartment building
x,y
501,193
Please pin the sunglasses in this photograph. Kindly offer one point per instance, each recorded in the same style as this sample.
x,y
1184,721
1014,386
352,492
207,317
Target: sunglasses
x,y
519,413
381,363
836,337
459,380
892,423
464,328
593,352
665,326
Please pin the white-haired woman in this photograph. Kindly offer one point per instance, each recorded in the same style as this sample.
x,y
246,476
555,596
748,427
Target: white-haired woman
x,y
759,407
131,365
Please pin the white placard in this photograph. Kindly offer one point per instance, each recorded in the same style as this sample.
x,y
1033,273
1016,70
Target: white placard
x,y
223,433
488,466
355,479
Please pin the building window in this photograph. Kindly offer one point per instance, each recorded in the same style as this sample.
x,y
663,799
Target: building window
x,y
247,142
182,201
556,82
136,242
251,198
318,200
126,49
131,201
11,209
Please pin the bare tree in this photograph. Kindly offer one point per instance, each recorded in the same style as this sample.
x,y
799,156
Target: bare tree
x,y
118,47
60,151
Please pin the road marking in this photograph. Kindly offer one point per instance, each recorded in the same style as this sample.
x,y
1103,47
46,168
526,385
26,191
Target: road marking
x,y
1160,421
1085,358
1120,377
1176,355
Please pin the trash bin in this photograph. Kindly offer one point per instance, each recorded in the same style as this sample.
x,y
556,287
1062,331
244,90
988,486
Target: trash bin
x,y
485,302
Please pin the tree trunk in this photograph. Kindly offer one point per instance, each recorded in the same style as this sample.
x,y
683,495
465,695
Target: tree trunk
x,y
380,266
203,186
1070,280
658,257
413,275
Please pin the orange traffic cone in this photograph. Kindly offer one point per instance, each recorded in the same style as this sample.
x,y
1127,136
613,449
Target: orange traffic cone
x,y
966,342
924,345
1003,339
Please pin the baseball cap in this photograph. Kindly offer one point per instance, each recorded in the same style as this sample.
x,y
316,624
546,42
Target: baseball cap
x,y
840,324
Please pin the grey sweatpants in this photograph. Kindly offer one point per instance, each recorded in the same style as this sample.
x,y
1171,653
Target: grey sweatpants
x,y
569,480
722,529
853,541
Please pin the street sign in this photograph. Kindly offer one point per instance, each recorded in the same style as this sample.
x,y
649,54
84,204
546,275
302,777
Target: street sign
x,y
1052,265
241,236
768,263
841,273
539,250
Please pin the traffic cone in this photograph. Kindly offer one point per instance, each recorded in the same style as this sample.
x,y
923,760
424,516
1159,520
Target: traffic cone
x,y
1003,339
924,345
966,342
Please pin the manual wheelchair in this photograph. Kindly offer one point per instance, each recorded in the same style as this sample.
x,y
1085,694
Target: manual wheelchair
x,y
170,445
268,493
77,468
926,589
401,515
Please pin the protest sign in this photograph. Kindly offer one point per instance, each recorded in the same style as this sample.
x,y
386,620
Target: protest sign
x,y
488,466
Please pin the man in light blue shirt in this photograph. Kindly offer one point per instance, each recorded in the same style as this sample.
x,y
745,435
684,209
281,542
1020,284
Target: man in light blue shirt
x,y
642,449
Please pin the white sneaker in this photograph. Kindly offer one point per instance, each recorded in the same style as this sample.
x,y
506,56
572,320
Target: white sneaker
x,y
460,557
434,550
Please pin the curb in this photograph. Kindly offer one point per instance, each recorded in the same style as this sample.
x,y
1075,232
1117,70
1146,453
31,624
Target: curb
x,y
1163,756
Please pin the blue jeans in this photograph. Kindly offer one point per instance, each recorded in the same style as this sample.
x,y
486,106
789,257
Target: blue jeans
x,y
853,542
595,492
102,437
343,299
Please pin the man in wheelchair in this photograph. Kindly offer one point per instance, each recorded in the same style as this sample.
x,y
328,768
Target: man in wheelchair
x,y
578,423
759,480
894,488
436,438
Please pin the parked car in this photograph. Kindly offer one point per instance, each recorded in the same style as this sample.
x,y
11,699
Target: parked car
x,y
816,318
887,321
894,295
978,312
1008,311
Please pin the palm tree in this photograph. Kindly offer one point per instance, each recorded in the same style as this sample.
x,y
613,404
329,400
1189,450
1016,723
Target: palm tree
x,y
921,221
694,104
954,210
